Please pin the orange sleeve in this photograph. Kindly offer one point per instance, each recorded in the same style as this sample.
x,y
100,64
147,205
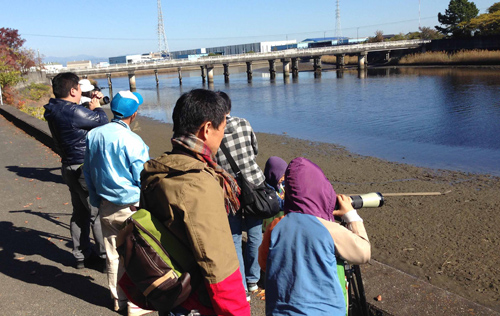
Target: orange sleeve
x,y
266,240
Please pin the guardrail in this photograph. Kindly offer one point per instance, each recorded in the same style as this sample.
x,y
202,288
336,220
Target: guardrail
x,y
249,57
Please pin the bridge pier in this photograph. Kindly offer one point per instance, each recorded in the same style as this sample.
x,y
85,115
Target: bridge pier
x,y
179,71
362,60
317,66
226,72
131,81
110,85
340,61
286,67
156,78
249,70
203,78
388,56
210,73
295,68
272,69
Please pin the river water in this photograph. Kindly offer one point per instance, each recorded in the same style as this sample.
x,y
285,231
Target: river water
x,y
446,118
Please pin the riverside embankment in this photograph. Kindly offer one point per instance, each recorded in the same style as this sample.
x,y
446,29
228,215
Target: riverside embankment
x,y
446,242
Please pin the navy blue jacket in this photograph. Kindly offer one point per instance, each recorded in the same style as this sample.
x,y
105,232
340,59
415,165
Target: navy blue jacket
x,y
69,124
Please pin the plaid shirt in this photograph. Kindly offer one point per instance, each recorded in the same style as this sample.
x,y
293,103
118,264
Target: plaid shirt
x,y
241,142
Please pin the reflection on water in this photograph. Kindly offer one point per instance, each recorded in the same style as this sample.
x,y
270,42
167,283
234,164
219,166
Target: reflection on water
x,y
434,117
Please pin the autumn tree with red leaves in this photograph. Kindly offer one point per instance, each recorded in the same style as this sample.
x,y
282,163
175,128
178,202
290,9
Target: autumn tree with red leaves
x,y
15,60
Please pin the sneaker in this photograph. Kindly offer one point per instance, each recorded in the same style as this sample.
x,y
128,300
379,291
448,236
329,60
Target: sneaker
x,y
134,310
119,305
248,297
80,264
252,287
95,262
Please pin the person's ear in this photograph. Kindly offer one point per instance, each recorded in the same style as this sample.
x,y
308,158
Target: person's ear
x,y
204,131
72,92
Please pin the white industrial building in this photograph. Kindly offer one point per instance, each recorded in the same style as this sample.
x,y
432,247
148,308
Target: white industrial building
x,y
127,59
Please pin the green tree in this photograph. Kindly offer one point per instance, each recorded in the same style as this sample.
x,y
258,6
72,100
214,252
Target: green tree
x,y
494,8
458,11
487,24
398,37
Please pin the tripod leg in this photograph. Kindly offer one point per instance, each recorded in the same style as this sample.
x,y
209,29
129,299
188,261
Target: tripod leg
x,y
361,291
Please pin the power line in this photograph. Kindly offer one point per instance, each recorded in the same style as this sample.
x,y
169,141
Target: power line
x,y
220,38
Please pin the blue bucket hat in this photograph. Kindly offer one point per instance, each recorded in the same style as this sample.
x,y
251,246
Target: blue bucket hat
x,y
125,103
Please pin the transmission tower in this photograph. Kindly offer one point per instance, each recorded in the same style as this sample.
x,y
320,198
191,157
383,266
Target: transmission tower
x,y
162,38
338,29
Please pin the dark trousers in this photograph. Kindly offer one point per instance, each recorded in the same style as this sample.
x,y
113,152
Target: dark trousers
x,y
84,217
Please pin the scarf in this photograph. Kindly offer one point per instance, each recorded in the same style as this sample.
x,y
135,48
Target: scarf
x,y
203,153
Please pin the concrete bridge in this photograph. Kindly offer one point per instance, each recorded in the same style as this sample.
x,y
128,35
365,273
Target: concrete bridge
x,y
206,64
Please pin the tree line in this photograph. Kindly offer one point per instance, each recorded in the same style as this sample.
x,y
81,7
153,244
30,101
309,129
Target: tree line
x,y
460,20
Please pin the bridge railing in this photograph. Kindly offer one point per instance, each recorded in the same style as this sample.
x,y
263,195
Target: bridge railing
x,y
248,57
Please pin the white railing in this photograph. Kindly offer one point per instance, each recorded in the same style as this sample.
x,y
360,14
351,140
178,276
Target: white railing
x,y
248,57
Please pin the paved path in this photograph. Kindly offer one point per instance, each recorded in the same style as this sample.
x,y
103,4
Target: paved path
x,y
36,265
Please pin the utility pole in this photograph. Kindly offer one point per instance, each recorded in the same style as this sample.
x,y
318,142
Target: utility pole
x,y
419,14
162,38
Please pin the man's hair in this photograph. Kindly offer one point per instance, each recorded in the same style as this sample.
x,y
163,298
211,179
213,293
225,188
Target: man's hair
x,y
226,98
62,84
195,108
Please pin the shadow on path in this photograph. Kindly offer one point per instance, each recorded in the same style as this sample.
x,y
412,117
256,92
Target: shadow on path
x,y
41,174
25,242
51,217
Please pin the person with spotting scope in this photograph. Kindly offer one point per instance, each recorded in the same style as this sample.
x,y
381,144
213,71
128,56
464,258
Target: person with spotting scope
x,y
300,250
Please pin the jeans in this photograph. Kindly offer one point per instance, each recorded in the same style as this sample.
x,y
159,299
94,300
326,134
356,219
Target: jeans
x,y
84,216
249,264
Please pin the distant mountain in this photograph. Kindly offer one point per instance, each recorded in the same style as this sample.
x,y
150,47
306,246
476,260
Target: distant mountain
x,y
64,60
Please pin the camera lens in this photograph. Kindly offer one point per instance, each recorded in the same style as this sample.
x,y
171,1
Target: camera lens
x,y
374,199
105,100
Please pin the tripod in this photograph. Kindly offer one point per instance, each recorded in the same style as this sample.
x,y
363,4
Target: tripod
x,y
356,291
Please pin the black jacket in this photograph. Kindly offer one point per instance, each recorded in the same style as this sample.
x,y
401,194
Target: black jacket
x,y
69,124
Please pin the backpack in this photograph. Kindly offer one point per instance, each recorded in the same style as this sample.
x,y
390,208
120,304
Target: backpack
x,y
156,264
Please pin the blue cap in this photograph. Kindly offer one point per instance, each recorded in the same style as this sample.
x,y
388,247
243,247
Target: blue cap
x,y
125,103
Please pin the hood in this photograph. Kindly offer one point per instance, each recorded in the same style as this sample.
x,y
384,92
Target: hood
x,y
274,170
231,124
168,164
308,191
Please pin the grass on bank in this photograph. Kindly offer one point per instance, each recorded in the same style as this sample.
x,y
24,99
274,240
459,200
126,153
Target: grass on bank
x,y
348,60
464,57
31,97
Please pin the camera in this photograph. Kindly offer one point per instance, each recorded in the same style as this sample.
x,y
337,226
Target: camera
x,y
105,100
88,95
373,199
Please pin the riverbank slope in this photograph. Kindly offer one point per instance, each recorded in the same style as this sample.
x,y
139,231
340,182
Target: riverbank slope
x,y
449,240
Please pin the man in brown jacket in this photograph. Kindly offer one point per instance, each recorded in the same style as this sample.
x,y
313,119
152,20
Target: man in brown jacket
x,y
190,194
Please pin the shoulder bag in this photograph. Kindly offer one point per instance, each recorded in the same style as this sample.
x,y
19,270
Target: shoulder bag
x,y
258,201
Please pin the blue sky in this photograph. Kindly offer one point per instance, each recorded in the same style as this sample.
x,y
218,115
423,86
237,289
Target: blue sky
x,y
107,28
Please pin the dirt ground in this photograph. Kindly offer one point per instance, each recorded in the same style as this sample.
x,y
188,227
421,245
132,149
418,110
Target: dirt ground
x,y
450,240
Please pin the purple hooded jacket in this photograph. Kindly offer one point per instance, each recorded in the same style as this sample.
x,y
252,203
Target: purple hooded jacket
x,y
308,191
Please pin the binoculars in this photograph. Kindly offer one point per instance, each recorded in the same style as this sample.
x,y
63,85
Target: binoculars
x,y
374,199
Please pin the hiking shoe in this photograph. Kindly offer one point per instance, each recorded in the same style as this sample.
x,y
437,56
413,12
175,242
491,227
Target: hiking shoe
x,y
252,287
80,264
95,262
248,297
119,305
